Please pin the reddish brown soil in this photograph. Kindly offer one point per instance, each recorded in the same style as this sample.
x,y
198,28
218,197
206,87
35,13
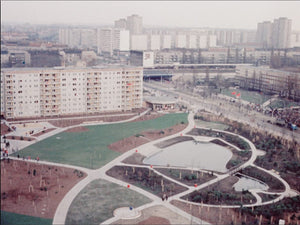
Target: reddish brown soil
x,y
77,129
213,215
217,215
15,182
139,110
43,132
146,179
71,122
126,144
154,220
19,138
4,129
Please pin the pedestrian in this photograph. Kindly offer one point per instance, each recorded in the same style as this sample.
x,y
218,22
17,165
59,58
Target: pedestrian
x,y
166,197
18,156
37,158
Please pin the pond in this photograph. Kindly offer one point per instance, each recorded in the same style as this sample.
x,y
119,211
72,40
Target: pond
x,y
200,155
248,183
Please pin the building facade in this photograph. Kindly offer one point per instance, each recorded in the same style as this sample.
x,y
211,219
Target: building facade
x,y
32,93
135,24
276,34
270,81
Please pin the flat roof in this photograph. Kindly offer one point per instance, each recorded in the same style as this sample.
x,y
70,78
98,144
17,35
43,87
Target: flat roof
x,y
159,100
36,69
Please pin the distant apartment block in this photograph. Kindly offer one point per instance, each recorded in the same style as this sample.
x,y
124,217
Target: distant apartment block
x,y
121,23
139,42
155,42
166,41
180,41
43,92
276,34
77,37
112,39
134,24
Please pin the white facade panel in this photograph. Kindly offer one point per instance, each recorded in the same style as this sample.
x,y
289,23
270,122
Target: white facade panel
x,y
124,40
212,41
139,42
192,41
180,41
155,42
203,41
167,41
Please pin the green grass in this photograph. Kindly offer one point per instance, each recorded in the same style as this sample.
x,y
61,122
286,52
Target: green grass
x,y
249,96
97,201
281,103
212,125
89,149
8,218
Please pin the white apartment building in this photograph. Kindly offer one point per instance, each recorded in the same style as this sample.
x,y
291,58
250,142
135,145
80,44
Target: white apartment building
x,y
295,39
2,95
192,41
139,42
77,37
166,41
155,42
281,33
121,40
180,41
38,92
105,41
134,24
203,41
212,41
113,39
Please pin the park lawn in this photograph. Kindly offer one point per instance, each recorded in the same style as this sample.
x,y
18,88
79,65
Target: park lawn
x,y
282,103
212,125
249,96
89,149
9,218
97,201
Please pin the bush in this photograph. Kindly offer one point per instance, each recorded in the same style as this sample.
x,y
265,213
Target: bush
x,y
190,177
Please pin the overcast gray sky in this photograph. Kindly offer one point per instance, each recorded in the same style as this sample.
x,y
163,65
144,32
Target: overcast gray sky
x,y
222,14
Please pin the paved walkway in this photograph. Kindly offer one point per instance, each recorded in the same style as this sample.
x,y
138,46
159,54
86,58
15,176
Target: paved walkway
x,y
63,207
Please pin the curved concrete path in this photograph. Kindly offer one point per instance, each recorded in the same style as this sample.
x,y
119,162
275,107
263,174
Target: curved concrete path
x,y
63,207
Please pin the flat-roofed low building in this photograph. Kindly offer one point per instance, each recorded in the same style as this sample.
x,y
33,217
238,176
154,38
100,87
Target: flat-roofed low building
x,y
160,103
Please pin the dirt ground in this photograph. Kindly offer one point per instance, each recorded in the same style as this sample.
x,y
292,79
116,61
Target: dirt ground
x,y
146,179
43,132
126,144
213,215
224,187
4,129
19,138
71,122
154,220
39,195
218,215
156,215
